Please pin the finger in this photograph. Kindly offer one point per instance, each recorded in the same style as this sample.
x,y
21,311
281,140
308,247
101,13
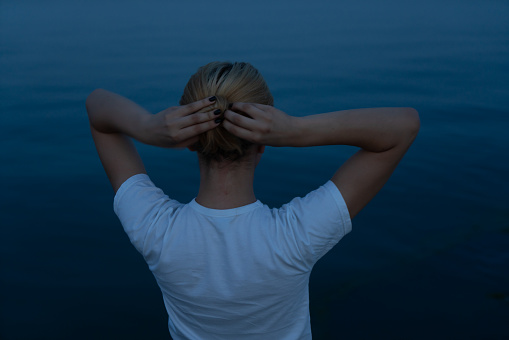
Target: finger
x,y
198,118
242,121
187,109
262,107
248,108
239,131
197,129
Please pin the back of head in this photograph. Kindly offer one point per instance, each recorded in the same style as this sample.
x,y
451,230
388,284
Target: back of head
x,y
229,82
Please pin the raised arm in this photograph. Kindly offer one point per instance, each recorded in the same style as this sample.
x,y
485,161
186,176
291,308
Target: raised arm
x,y
383,134
113,119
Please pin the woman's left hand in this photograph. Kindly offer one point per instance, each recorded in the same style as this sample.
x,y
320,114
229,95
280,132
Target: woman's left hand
x,y
265,125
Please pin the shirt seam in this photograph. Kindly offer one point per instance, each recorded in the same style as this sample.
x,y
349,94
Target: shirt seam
x,y
346,224
343,210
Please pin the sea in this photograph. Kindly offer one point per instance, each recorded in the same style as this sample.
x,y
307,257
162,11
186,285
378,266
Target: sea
x,y
428,258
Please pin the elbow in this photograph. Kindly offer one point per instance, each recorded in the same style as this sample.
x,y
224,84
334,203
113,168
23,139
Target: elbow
x,y
93,105
416,122
412,124
92,99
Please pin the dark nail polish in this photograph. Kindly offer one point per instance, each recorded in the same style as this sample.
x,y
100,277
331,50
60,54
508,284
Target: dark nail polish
x,y
230,105
212,99
219,120
217,112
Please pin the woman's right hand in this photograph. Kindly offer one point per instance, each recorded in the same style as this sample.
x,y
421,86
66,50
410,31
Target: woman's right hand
x,y
180,126
265,125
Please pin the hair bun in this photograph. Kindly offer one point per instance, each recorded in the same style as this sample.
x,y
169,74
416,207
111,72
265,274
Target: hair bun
x,y
229,82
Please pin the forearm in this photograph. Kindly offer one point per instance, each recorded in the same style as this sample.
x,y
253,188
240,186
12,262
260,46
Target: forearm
x,y
114,118
111,113
374,130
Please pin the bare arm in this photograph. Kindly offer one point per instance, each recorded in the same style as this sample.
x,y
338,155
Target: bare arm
x,y
113,119
383,134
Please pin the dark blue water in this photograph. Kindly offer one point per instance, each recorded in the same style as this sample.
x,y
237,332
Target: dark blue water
x,y
428,257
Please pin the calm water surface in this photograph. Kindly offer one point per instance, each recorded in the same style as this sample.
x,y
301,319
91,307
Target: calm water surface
x,y
428,258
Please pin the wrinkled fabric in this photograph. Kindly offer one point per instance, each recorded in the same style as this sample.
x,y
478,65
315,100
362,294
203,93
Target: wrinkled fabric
x,y
238,273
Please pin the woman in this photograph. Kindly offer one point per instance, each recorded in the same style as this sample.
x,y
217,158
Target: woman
x,y
228,266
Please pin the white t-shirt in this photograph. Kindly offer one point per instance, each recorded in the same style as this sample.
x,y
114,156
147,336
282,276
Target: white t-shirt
x,y
238,273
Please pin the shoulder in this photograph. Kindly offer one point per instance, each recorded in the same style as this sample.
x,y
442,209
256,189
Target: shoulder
x,y
144,212
134,184
316,222
324,201
138,192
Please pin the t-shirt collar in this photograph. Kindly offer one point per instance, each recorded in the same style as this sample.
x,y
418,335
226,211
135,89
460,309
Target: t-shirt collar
x,y
224,212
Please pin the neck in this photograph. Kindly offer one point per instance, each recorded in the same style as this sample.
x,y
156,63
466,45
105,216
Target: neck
x,y
226,185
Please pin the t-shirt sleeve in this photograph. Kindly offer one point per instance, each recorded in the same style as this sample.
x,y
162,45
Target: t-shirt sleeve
x,y
316,222
145,213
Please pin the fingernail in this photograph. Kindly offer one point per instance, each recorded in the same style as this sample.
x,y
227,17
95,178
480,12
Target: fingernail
x,y
218,120
217,112
230,105
212,99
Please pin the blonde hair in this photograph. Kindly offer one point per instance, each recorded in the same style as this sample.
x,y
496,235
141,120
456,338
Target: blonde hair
x,y
229,83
